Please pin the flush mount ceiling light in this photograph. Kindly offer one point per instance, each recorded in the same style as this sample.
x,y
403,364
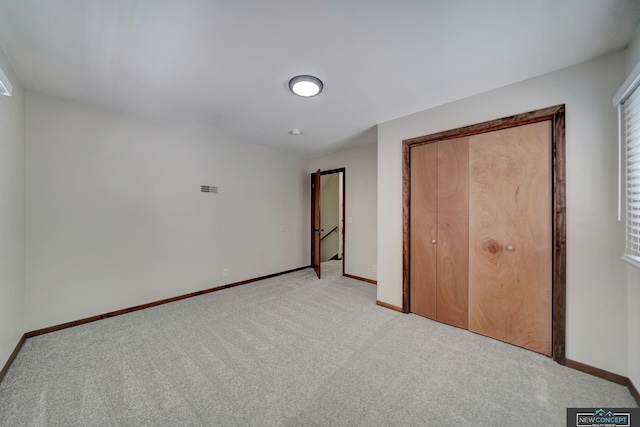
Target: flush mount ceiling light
x,y
305,86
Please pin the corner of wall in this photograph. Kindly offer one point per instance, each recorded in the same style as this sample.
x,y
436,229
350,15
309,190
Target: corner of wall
x,y
360,204
12,222
632,51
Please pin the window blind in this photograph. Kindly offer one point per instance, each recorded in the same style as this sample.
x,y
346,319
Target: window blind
x,y
631,136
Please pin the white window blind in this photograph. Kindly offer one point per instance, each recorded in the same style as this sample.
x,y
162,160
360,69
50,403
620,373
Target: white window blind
x,y
631,138
627,100
630,133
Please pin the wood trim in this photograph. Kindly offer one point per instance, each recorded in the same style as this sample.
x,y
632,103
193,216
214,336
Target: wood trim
x,y
634,391
406,226
350,276
557,116
344,210
596,372
601,373
389,306
6,366
316,222
332,171
152,304
490,126
558,329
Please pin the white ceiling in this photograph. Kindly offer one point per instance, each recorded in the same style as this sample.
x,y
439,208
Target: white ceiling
x,y
225,64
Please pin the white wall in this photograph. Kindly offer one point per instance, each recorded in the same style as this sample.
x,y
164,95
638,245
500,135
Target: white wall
x,y
596,282
115,216
360,206
11,215
633,273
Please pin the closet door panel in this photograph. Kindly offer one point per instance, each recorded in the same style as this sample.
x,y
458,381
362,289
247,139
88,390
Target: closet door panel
x,y
423,230
489,265
453,232
510,235
530,233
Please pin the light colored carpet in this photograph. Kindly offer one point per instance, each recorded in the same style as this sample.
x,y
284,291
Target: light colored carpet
x,y
287,351
331,269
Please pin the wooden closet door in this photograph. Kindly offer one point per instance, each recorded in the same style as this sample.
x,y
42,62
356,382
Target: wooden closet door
x,y
453,232
423,230
510,235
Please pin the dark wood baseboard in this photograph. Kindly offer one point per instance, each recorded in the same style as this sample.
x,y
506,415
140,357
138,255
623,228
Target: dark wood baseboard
x,y
362,279
597,372
151,304
609,376
634,391
389,306
5,368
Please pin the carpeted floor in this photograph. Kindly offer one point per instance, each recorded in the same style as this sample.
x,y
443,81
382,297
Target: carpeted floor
x,y
288,351
331,269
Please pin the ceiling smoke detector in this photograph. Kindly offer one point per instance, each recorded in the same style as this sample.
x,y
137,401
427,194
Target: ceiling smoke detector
x,y
305,86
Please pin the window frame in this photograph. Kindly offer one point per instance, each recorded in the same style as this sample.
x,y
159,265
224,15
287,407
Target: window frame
x,y
631,87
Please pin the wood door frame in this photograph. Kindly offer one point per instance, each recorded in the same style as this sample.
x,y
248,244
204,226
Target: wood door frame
x,y
344,209
556,115
316,222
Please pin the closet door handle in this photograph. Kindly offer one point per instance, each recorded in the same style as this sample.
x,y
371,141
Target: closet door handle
x,y
510,248
433,241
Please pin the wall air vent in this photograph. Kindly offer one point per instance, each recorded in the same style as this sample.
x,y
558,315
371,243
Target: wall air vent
x,y
208,189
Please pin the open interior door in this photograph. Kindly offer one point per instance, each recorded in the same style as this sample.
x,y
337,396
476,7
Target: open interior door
x,y
316,230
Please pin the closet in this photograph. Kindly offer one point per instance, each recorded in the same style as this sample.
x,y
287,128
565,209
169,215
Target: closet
x,y
481,233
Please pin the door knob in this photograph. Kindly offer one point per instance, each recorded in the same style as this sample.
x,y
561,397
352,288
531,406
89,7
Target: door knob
x,y
433,241
509,248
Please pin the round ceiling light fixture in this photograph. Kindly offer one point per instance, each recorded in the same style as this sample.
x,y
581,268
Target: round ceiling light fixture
x,y
305,86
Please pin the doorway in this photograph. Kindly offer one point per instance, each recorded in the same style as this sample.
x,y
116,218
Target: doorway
x,y
327,222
